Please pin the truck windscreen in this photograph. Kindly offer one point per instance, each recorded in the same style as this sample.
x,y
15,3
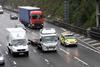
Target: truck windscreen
x,y
37,16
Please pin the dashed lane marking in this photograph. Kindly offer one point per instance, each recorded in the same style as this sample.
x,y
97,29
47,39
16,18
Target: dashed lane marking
x,y
81,61
34,51
64,51
74,57
14,62
46,60
6,52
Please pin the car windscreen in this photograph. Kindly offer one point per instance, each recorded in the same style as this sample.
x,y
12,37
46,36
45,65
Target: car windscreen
x,y
49,39
19,42
69,36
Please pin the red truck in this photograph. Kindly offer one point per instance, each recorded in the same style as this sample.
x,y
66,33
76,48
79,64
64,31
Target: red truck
x,y
31,16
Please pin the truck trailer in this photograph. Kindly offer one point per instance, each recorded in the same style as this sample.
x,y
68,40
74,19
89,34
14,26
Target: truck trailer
x,y
31,16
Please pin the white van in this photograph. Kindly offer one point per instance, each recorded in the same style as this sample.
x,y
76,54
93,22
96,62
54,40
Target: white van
x,y
17,42
1,10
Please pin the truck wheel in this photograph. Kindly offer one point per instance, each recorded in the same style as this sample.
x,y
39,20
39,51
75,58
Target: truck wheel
x,y
29,25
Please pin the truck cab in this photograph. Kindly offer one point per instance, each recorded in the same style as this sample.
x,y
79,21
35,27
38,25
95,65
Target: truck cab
x,y
48,39
36,18
17,42
31,16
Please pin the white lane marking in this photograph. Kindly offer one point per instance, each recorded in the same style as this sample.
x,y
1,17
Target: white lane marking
x,y
34,51
87,39
63,29
64,51
89,48
98,47
6,52
14,62
74,57
92,41
46,60
81,61
95,44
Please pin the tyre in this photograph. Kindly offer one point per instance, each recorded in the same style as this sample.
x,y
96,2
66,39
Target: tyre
x,y
12,53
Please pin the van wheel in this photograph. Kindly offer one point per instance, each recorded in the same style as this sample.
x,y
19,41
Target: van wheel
x,y
12,53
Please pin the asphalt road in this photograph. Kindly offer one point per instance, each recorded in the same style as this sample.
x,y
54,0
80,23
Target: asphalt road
x,y
80,56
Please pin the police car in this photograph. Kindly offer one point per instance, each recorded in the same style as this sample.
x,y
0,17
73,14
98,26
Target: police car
x,y
68,39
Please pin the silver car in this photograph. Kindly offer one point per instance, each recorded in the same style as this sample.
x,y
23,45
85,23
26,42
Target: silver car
x,y
2,60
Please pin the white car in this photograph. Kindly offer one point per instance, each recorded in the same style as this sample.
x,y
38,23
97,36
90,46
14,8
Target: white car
x,y
2,60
